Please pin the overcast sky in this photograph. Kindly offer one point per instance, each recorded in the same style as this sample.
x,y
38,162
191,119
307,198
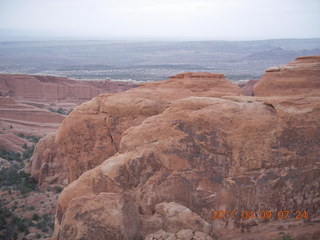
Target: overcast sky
x,y
175,19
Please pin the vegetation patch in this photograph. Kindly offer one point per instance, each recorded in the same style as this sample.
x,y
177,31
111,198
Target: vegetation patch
x,y
30,138
60,111
17,179
12,225
10,155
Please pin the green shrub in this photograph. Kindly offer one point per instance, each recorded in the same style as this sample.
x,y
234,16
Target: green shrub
x,y
60,111
10,155
28,152
19,180
286,237
58,189
35,217
11,224
30,138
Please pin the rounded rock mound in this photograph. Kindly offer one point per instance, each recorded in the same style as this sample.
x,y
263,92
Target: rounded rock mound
x,y
300,77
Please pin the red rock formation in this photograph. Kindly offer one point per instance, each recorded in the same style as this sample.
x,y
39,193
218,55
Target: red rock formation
x,y
24,98
116,218
207,153
41,165
247,87
184,149
300,77
92,132
48,89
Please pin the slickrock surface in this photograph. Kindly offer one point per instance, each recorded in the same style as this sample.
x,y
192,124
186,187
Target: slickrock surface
x,y
92,132
169,153
209,153
300,77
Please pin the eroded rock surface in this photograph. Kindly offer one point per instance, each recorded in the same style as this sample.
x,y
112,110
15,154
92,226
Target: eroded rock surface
x,y
247,86
300,77
105,216
179,149
92,132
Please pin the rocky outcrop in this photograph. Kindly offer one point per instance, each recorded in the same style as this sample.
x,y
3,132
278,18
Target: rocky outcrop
x,y
208,154
105,216
247,86
41,166
168,154
92,132
300,77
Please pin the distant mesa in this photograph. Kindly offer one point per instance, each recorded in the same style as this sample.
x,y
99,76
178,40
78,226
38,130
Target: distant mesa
x,y
48,89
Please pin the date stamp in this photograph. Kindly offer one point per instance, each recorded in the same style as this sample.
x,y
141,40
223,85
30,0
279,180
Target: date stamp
x,y
259,215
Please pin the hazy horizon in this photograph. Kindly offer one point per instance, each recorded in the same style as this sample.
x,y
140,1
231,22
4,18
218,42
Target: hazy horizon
x,y
230,20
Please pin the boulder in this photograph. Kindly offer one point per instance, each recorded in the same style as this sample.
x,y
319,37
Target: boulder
x,y
100,217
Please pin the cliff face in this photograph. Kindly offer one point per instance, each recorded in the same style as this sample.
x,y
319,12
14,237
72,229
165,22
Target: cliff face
x,y
54,89
155,161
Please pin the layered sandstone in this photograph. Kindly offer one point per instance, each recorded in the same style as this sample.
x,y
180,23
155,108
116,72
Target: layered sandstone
x,y
16,118
49,89
165,155
26,99
11,142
